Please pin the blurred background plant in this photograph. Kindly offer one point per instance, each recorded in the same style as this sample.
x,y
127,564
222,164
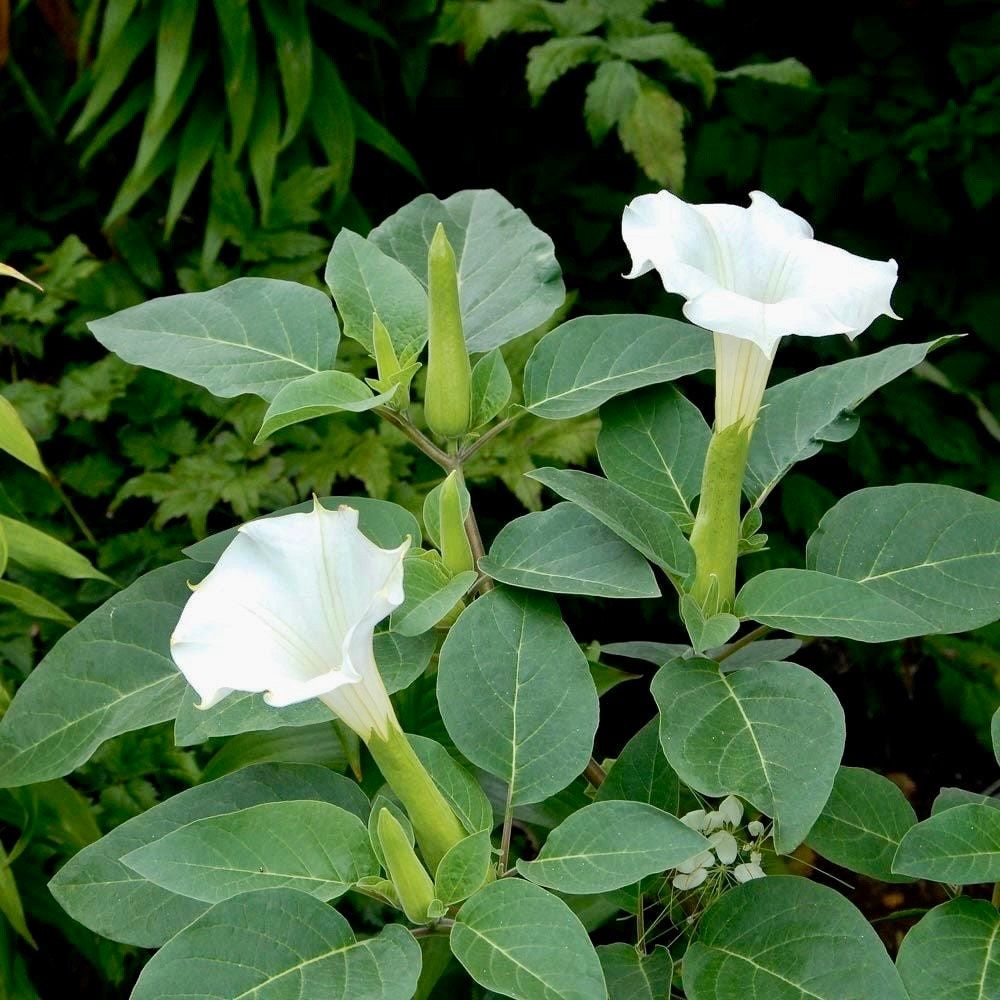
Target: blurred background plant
x,y
152,146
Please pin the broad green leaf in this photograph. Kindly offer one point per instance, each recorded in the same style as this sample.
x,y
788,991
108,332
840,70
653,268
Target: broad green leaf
x,y
317,744
960,846
457,785
706,633
807,602
366,281
933,549
109,675
317,396
761,651
100,892
252,335
401,660
565,550
279,944
611,844
611,95
508,279
862,824
654,443
521,941
772,734
799,416
386,524
34,606
432,511
15,439
632,976
430,594
288,22
580,365
948,798
516,694
464,869
952,953
652,132
786,938
491,387
608,678
656,653
641,773
41,553
648,529
312,846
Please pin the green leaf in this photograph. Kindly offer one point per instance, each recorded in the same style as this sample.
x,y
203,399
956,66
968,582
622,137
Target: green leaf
x,y
653,132
582,364
41,553
654,443
34,606
318,396
111,674
239,63
457,785
201,135
317,744
100,892
464,869
491,387
312,846
173,47
706,633
631,976
641,773
807,602
366,281
332,123
516,694
948,798
565,550
674,50
11,907
373,133
521,941
934,550
386,524
432,511
995,734
950,953
772,734
252,335
508,279
430,594
276,941
786,938
960,846
15,439
862,824
265,144
799,416
786,72
648,529
556,57
608,845
289,26
611,95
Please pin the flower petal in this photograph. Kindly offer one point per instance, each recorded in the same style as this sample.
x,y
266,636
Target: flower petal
x,y
690,880
724,845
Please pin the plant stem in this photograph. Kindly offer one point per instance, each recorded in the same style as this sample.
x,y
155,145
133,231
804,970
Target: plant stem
x,y
439,927
996,894
716,534
508,822
424,443
499,428
735,647
594,773
73,512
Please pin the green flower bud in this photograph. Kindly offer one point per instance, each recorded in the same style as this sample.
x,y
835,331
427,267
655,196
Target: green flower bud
x,y
456,553
448,395
413,885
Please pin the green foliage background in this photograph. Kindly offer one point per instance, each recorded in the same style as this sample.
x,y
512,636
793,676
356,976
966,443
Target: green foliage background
x,y
189,175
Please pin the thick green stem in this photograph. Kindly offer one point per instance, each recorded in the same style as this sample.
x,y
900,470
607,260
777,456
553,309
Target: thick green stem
x,y
716,534
435,825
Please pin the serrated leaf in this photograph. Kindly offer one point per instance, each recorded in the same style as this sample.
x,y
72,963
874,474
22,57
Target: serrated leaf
x,y
611,95
582,364
556,57
652,132
960,846
533,719
772,734
508,279
565,550
545,953
590,851
274,940
786,72
252,335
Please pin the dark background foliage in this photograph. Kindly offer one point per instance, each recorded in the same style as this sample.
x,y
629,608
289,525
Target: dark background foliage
x,y
890,151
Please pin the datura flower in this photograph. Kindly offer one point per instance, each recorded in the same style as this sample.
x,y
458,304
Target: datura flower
x,y
290,609
752,276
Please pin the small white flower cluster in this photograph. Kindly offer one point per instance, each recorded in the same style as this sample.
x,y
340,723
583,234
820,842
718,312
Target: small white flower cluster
x,y
718,826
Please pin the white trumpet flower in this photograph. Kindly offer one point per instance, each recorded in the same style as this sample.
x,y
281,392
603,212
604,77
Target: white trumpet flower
x,y
290,610
752,276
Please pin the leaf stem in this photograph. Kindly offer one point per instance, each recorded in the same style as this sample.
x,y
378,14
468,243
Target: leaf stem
x,y
508,823
424,443
73,512
735,647
594,773
499,428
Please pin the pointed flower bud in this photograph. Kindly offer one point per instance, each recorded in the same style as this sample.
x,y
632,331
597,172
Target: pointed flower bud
x,y
456,552
448,394
413,885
